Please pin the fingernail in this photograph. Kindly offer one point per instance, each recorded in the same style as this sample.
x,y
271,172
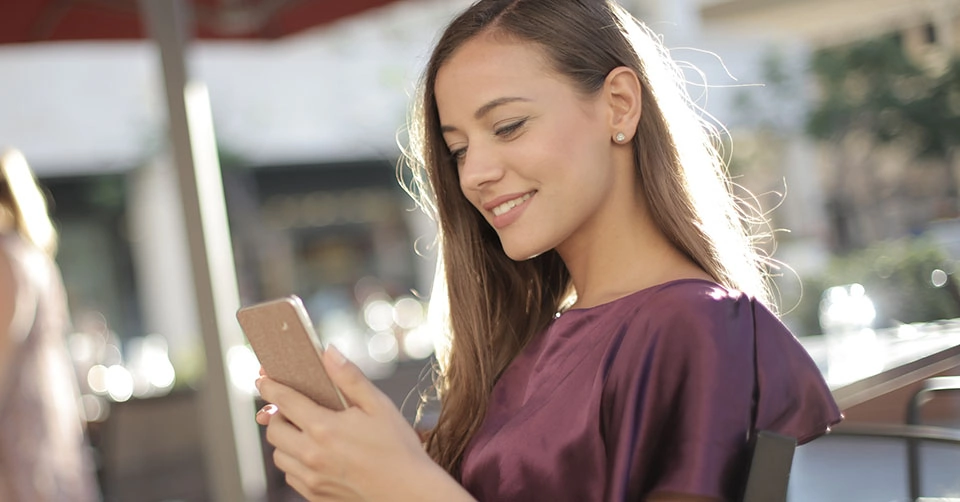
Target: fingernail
x,y
257,382
269,409
337,356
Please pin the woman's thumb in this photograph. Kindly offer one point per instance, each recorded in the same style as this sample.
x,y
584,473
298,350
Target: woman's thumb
x,y
354,386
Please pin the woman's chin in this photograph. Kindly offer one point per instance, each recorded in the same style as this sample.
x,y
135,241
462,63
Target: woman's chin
x,y
522,253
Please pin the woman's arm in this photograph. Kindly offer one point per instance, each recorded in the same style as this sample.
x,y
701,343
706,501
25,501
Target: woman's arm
x,y
368,452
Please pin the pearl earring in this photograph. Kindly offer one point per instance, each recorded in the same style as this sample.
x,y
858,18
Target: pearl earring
x,y
620,137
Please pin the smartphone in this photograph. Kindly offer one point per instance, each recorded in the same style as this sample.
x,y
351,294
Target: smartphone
x,y
282,336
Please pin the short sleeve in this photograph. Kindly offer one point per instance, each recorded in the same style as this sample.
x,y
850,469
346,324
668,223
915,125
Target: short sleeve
x,y
680,393
794,399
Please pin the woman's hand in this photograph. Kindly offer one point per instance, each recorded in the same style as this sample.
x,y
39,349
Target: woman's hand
x,y
367,452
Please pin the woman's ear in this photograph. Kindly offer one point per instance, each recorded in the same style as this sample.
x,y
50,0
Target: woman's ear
x,y
624,94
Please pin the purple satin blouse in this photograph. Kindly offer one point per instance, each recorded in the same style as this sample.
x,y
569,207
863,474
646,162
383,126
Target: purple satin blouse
x,y
650,392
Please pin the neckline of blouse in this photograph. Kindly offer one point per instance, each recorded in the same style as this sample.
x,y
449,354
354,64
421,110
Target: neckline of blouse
x,y
633,294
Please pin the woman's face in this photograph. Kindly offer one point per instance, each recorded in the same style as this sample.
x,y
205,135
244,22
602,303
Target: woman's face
x,y
534,156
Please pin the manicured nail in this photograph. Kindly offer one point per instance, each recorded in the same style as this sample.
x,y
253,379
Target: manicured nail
x,y
269,409
337,356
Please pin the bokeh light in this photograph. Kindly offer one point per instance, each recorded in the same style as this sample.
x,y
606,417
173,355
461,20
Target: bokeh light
x,y
119,383
243,368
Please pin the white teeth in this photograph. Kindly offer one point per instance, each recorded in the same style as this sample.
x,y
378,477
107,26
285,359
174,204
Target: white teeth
x,y
510,204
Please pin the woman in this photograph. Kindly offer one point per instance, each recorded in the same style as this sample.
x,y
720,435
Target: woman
x,y
43,456
609,339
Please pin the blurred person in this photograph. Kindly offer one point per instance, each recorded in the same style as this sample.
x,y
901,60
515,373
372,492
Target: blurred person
x,y
43,453
611,332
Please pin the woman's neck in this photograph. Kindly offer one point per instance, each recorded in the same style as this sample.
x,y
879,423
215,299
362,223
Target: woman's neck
x,y
623,253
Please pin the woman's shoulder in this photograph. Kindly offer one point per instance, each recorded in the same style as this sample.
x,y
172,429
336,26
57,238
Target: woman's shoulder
x,y
690,306
681,336
692,293
692,320
693,332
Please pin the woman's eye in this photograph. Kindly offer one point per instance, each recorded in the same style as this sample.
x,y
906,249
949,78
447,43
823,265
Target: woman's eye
x,y
509,129
459,154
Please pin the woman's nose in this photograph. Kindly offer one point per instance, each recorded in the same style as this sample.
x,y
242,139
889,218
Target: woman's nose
x,y
479,168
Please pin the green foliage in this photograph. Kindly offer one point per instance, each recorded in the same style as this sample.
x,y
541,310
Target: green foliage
x,y
874,86
896,276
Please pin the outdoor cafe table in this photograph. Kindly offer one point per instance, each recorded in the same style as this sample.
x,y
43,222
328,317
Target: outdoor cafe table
x,y
866,364
860,367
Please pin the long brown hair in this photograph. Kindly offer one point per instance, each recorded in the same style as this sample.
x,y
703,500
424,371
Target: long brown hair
x,y
495,305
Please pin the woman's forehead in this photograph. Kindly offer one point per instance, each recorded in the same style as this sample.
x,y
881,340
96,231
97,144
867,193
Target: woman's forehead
x,y
496,54
486,68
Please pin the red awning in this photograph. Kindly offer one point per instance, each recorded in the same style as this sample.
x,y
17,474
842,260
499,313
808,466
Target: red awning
x,y
25,21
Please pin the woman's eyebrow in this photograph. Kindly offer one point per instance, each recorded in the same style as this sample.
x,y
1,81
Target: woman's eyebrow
x,y
487,108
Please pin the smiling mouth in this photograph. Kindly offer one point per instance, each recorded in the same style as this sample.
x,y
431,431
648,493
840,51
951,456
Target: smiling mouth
x,y
510,204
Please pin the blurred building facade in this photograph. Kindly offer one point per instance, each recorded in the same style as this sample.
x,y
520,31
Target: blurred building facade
x,y
308,131
308,137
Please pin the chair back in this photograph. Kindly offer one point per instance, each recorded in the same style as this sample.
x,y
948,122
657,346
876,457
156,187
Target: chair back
x,y
770,461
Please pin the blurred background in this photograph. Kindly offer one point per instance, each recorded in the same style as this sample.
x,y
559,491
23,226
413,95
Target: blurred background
x,y
842,120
